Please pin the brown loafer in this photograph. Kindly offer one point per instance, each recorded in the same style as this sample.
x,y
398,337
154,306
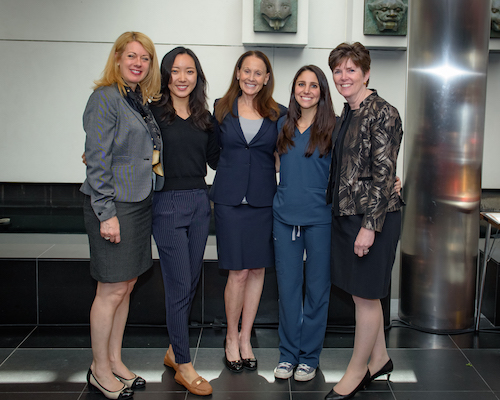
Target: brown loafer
x,y
199,386
169,363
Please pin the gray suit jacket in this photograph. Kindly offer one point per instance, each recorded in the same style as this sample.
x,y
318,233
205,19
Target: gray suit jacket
x,y
118,150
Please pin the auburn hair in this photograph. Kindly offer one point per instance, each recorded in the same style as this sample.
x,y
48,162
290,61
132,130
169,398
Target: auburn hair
x,y
263,101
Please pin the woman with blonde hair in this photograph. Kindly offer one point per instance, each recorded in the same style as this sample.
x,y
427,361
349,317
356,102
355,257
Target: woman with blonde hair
x,y
122,138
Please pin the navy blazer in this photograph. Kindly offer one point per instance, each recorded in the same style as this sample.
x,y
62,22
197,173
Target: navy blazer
x,y
245,169
119,152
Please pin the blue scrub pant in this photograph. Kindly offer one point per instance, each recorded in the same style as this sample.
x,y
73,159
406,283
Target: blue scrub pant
x,y
181,221
302,314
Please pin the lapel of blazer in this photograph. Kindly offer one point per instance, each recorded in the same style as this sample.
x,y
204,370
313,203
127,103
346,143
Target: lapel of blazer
x,y
338,125
134,112
235,121
266,124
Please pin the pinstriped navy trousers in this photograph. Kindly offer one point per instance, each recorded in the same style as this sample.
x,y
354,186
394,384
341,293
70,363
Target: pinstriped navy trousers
x,y
181,221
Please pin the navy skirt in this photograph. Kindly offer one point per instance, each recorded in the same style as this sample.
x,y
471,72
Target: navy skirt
x,y
111,262
367,277
244,236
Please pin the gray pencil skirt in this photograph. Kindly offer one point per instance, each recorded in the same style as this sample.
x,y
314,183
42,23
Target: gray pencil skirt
x,y
111,262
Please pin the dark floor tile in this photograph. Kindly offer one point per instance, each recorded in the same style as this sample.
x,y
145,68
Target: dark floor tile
x,y
404,337
41,395
147,393
65,291
59,337
236,395
18,291
365,394
213,338
261,338
487,364
147,301
48,370
338,339
246,381
445,396
210,364
150,395
433,370
13,336
4,353
154,337
481,340
151,337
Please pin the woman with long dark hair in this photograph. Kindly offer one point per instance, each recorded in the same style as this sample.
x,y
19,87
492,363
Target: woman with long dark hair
x,y
181,208
302,222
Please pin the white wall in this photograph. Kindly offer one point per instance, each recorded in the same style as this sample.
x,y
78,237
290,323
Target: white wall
x,y
53,50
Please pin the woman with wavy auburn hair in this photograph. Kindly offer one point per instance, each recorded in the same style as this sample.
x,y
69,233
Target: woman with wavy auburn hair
x,y
122,138
242,192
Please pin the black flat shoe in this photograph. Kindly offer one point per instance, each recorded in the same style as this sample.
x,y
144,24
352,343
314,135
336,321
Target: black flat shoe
x,y
333,395
233,366
134,383
250,363
122,394
386,369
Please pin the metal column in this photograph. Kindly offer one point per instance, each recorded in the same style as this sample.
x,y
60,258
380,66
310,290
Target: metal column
x,y
446,94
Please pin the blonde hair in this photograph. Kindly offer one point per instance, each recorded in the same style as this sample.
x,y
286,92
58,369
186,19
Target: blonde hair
x,y
150,85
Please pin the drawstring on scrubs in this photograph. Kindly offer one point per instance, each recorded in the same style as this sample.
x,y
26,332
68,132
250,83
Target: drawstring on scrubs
x,y
295,233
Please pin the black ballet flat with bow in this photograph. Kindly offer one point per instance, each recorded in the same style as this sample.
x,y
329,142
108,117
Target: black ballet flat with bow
x,y
250,364
233,366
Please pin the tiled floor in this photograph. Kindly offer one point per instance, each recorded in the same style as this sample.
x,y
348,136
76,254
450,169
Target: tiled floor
x,y
50,363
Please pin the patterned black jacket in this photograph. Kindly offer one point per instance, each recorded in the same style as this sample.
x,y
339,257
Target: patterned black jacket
x,y
368,162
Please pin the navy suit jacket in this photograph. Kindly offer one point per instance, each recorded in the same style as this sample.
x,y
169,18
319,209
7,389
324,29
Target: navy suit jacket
x,y
119,152
245,169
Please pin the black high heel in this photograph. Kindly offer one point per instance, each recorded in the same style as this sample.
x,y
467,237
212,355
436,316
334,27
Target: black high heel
x,y
233,366
386,369
123,393
333,395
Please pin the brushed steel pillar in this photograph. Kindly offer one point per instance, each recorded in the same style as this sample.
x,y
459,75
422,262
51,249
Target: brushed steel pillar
x,y
446,94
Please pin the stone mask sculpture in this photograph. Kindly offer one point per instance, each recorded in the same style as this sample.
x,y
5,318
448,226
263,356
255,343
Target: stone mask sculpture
x,y
495,15
387,13
276,12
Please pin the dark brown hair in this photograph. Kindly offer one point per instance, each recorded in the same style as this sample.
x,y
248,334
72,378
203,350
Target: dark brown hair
x,y
323,123
355,52
263,102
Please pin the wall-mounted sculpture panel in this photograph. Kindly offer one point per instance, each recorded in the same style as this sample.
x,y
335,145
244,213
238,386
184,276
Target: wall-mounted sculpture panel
x,y
385,17
275,16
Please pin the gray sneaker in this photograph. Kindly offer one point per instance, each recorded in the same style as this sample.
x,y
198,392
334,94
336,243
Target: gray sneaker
x,y
284,370
304,373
